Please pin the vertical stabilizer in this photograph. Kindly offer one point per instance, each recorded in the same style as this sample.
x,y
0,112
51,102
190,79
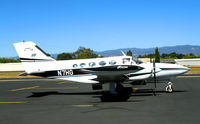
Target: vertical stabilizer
x,y
29,51
29,54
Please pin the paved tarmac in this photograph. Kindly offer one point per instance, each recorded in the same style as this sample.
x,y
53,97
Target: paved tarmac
x,y
37,101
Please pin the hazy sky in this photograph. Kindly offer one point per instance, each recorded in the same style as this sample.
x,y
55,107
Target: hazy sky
x,y
64,25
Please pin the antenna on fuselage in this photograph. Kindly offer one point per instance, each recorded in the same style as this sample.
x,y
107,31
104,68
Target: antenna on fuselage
x,y
123,53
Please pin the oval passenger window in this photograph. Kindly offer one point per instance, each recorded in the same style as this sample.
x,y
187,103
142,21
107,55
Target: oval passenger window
x,y
82,64
102,63
112,62
92,64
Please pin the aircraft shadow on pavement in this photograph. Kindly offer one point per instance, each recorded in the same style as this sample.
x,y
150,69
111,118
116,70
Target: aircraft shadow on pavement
x,y
151,92
42,94
140,92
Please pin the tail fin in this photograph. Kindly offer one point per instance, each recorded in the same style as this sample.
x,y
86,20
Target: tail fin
x,y
29,53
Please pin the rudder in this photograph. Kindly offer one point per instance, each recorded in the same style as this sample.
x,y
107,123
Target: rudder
x,y
29,53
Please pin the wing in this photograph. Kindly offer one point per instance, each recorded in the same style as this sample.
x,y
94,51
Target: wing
x,y
111,73
92,75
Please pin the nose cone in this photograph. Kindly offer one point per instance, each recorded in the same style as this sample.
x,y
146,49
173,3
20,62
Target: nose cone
x,y
183,69
186,69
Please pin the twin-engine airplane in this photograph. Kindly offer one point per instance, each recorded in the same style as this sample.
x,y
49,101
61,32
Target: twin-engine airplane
x,y
113,70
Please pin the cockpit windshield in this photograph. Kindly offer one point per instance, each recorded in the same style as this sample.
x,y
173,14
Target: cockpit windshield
x,y
137,61
131,60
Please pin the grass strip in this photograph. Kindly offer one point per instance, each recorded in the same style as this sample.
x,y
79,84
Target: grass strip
x,y
14,75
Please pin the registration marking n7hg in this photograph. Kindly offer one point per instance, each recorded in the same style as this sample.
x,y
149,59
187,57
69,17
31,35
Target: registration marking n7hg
x,y
65,72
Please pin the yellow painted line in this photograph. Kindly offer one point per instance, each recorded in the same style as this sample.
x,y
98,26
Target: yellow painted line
x,y
135,89
63,82
57,88
26,80
11,80
187,76
26,88
16,102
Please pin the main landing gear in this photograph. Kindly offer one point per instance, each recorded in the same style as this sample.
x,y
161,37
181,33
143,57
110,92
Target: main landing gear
x,y
169,88
117,93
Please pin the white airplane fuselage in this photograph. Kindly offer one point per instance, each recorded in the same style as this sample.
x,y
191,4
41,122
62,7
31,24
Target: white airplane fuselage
x,y
95,70
90,70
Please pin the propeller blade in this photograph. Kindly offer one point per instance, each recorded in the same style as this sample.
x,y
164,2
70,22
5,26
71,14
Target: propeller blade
x,y
154,73
154,77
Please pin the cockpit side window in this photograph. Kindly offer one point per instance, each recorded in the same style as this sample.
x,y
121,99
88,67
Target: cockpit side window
x,y
126,60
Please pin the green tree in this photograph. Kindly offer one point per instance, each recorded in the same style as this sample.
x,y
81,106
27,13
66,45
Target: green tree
x,y
172,55
129,53
157,55
164,55
8,60
65,56
84,53
180,56
81,53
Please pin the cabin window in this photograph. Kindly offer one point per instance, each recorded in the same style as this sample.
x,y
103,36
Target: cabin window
x,y
75,65
82,64
126,60
102,63
112,62
92,64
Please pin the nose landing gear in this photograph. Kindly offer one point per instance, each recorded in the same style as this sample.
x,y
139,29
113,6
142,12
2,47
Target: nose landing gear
x,y
169,88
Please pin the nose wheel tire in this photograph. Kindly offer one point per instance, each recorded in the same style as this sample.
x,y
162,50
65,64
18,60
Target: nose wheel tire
x,y
169,88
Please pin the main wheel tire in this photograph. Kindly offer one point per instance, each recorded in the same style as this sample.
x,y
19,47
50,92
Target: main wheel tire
x,y
169,89
123,95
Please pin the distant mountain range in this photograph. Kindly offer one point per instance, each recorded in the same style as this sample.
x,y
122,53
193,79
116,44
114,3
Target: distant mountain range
x,y
184,49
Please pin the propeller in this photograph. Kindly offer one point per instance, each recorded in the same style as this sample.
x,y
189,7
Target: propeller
x,y
154,76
